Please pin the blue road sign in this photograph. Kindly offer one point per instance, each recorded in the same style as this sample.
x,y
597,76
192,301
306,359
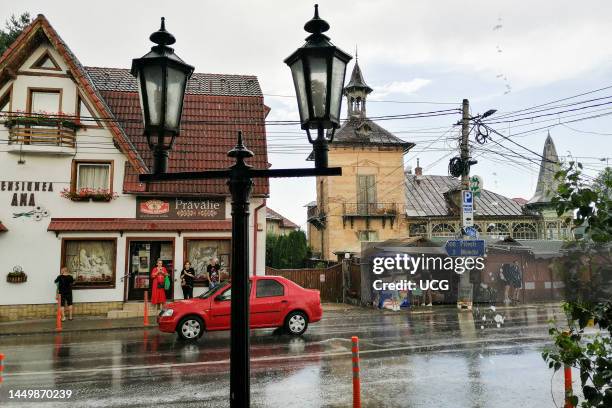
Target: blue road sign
x,y
468,247
468,199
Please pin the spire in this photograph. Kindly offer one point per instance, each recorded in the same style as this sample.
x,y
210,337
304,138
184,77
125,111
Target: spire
x,y
356,92
549,166
357,81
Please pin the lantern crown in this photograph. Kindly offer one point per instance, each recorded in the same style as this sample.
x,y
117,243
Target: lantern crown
x,y
316,25
162,37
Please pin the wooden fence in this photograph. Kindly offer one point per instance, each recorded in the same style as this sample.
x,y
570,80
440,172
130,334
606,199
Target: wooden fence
x,y
328,281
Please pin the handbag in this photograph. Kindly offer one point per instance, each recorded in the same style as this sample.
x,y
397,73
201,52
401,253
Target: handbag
x,y
167,283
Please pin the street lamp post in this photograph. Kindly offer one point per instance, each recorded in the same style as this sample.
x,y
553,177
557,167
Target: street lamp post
x,y
322,115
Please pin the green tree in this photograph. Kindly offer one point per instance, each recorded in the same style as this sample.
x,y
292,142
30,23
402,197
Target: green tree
x,y
12,28
586,272
287,251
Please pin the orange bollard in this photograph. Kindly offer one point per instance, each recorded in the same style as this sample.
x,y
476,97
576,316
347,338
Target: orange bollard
x,y
356,381
146,308
567,371
58,319
1,366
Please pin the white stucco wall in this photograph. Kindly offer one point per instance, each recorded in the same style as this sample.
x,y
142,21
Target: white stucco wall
x,y
29,245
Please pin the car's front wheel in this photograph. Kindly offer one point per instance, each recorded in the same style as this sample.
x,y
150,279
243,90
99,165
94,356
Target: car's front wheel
x,y
296,323
190,328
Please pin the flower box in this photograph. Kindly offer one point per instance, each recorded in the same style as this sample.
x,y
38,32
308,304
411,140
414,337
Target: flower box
x,y
86,194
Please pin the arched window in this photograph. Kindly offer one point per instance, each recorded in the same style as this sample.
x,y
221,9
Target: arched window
x,y
498,229
443,230
524,230
417,230
552,230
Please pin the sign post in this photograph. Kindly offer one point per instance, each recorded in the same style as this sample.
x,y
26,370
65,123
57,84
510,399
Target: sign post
x,y
463,247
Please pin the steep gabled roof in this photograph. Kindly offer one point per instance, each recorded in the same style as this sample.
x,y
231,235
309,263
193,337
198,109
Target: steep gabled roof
x,y
209,127
425,198
31,37
285,223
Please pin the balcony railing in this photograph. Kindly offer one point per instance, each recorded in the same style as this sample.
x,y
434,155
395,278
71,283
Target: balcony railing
x,y
370,209
56,134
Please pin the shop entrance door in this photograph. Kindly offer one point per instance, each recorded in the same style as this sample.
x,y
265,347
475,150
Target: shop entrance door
x,y
143,256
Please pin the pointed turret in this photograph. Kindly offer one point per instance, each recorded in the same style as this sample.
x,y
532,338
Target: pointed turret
x,y
547,185
356,92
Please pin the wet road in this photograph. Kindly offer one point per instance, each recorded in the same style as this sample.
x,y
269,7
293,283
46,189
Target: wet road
x,y
441,359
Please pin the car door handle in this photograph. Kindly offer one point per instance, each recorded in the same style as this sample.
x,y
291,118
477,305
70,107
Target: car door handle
x,y
284,301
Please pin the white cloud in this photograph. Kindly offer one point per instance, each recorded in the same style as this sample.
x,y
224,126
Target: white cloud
x,y
399,87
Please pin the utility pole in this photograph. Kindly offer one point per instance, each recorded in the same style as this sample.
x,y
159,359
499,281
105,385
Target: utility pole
x,y
465,138
464,300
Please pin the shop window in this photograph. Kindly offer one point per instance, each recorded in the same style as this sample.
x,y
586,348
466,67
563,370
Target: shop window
x,y
201,253
367,235
524,230
269,288
91,262
417,230
498,229
443,230
96,176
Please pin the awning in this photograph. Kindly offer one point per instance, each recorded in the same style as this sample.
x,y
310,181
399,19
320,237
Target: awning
x,y
58,225
2,227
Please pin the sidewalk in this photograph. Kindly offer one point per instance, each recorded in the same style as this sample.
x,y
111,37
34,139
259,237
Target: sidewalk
x,y
93,323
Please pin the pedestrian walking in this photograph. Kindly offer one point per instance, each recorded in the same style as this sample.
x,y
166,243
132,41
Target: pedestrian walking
x,y
158,279
64,283
213,271
187,277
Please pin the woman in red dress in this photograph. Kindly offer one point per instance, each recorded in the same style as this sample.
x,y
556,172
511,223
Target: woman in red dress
x,y
158,276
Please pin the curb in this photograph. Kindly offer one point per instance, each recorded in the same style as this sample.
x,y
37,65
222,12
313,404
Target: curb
x,y
90,329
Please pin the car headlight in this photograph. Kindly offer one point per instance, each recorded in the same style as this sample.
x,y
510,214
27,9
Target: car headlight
x,y
167,313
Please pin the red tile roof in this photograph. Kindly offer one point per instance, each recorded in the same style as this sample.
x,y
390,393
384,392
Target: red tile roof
x,y
133,224
284,222
2,227
209,128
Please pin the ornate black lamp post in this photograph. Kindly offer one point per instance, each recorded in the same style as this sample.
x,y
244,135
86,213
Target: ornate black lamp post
x,y
162,78
322,113
318,69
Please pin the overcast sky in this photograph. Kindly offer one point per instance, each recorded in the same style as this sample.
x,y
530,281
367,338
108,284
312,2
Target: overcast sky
x,y
499,54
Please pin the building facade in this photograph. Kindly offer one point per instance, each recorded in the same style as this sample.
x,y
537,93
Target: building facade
x,y
73,148
365,203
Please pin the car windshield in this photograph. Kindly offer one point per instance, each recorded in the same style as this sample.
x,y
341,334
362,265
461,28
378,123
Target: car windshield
x,y
212,291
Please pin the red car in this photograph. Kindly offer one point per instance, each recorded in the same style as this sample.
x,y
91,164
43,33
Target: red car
x,y
275,302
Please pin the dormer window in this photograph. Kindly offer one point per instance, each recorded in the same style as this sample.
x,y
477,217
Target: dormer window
x,y
46,61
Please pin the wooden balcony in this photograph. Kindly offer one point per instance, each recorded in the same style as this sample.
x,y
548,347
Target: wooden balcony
x,y
56,137
368,211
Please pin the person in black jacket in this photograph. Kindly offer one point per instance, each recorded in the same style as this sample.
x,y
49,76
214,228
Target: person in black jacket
x,y
64,283
187,277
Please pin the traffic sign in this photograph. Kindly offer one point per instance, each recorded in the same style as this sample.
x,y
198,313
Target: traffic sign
x,y
467,214
468,247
